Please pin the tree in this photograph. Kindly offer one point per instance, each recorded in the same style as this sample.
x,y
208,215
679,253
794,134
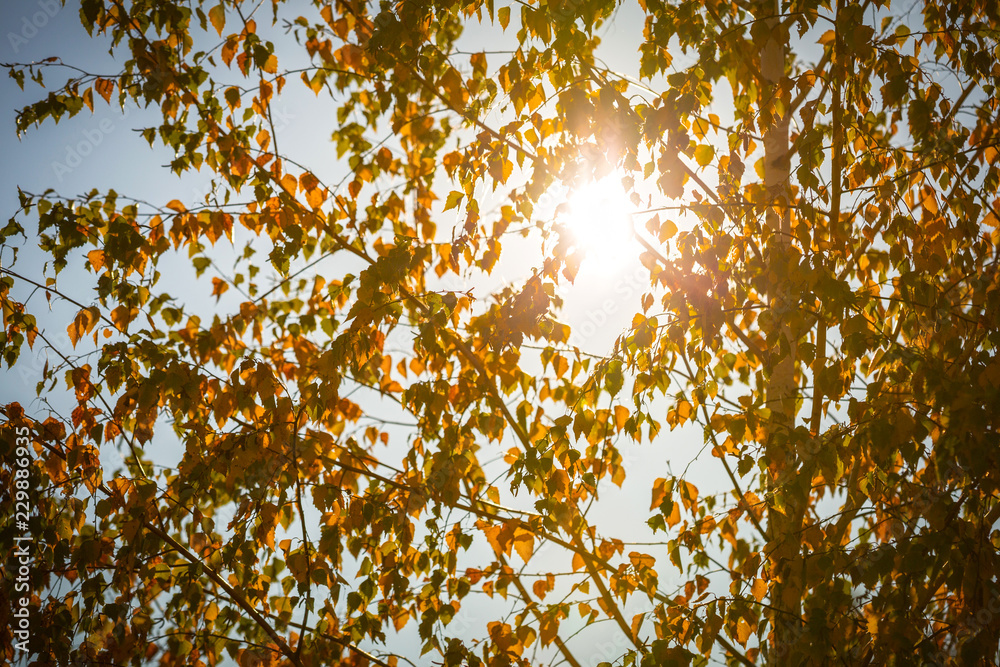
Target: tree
x,y
828,318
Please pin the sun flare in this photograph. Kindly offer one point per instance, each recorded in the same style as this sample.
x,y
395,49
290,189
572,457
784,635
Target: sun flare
x,y
599,217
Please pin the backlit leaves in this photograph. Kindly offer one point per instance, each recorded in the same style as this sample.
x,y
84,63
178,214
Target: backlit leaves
x,y
366,433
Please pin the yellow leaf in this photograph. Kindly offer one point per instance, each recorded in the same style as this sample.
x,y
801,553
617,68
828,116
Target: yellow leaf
x,y
265,530
503,15
699,126
451,82
621,416
122,316
217,15
478,62
641,560
743,632
315,198
704,154
263,139
667,230
930,203
759,589
524,543
289,183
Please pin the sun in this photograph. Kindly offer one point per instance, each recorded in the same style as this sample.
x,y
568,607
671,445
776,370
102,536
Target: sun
x,y
598,215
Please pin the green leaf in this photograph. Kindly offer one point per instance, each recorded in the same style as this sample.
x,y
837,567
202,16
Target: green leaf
x,y
453,200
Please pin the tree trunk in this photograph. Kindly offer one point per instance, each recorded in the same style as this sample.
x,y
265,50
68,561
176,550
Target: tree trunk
x,y
787,504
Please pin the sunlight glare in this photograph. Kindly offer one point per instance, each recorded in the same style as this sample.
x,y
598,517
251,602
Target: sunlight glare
x,y
599,216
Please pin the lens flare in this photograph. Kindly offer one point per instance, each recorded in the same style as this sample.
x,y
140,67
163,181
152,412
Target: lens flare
x,y
599,217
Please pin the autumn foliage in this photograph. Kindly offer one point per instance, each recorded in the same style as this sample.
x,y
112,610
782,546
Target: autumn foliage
x,y
817,221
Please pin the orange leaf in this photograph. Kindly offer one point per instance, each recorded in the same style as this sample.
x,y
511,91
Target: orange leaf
x,y
82,324
122,316
640,560
228,51
548,630
621,416
263,139
219,288
661,489
315,197
265,531
674,517
636,624
96,258
308,181
105,88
